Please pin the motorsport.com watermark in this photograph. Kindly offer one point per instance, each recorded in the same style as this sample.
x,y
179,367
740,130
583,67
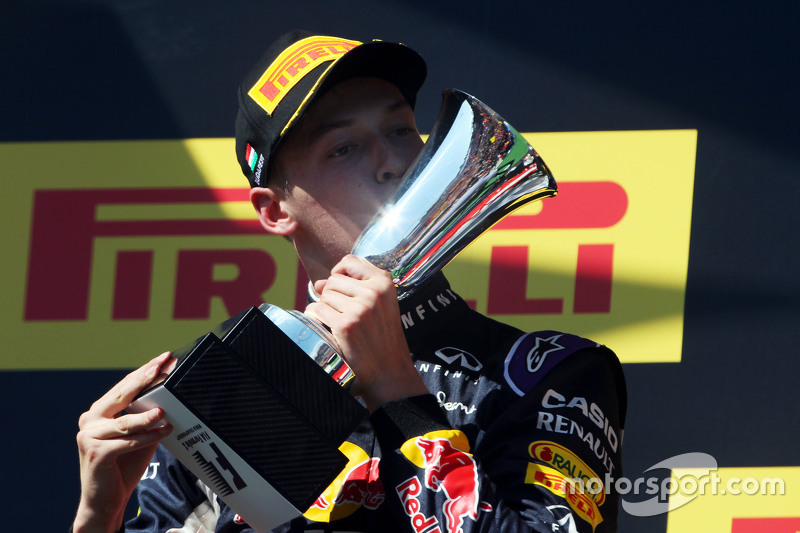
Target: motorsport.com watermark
x,y
669,493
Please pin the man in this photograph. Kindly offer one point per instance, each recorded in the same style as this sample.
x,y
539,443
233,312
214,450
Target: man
x,y
474,426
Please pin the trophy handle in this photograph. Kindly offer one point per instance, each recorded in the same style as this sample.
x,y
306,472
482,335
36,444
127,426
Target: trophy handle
x,y
474,169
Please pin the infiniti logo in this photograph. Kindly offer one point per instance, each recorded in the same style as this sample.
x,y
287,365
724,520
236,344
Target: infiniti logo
x,y
456,356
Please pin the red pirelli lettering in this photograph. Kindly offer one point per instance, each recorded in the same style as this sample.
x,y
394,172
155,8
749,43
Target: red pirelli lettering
x,y
508,282
763,525
291,66
270,89
196,285
579,204
133,282
64,229
297,66
593,278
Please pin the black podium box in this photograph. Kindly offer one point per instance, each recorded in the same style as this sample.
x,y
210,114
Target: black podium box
x,y
255,418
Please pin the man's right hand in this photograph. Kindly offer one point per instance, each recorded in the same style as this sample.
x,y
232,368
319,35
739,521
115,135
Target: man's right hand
x,y
115,449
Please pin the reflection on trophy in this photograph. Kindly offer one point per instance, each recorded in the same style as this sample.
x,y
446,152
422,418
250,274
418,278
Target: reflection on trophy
x,y
253,400
474,169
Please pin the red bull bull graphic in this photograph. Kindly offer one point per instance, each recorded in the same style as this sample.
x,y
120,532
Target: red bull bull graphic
x,y
448,470
358,485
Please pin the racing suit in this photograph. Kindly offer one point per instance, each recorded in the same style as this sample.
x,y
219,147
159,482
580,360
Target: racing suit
x,y
520,432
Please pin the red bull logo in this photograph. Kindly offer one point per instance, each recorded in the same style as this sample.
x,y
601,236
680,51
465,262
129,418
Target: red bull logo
x,y
408,491
448,470
453,472
358,485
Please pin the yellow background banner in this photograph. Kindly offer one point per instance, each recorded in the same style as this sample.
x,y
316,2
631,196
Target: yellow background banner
x,y
741,500
116,251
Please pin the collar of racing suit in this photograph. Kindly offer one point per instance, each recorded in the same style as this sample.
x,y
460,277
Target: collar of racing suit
x,y
431,308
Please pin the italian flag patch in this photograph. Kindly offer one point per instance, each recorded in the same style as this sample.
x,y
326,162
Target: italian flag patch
x,y
252,157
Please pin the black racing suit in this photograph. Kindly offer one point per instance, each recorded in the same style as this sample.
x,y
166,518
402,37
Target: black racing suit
x,y
520,432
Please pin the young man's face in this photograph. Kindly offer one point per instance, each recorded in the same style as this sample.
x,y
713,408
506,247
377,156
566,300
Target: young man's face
x,y
342,162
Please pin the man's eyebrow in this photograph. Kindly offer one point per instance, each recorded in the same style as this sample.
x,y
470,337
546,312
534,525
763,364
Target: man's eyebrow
x,y
325,127
399,104
331,125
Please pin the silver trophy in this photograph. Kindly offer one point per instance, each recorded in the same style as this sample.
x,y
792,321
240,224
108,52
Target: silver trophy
x,y
474,169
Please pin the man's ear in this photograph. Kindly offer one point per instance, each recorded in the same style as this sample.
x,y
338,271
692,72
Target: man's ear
x,y
272,211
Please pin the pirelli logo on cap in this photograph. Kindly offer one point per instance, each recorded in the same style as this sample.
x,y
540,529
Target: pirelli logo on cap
x,y
293,64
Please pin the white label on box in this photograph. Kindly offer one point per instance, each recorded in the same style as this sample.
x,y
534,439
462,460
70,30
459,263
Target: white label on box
x,y
208,457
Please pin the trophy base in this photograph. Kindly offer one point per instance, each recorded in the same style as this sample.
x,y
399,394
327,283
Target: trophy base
x,y
255,419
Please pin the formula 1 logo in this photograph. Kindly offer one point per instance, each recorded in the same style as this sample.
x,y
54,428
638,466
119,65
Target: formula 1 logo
x,y
215,476
564,519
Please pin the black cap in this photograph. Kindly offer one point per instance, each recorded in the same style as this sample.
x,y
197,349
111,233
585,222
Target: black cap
x,y
296,70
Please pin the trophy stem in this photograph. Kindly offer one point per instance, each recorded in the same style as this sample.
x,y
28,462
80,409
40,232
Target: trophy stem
x,y
316,341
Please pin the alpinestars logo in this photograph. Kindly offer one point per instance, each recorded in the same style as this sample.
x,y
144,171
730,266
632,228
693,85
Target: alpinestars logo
x,y
458,357
540,350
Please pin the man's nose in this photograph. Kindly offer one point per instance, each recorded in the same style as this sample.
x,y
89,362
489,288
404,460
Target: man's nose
x,y
391,162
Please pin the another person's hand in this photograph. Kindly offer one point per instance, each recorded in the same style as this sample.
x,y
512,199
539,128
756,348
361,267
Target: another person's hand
x,y
358,302
115,449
